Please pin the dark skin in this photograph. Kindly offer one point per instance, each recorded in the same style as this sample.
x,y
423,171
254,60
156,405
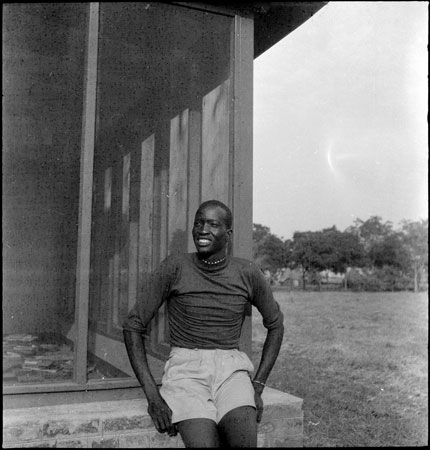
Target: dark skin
x,y
238,428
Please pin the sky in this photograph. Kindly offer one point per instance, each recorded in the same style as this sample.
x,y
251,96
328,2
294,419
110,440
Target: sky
x,y
340,119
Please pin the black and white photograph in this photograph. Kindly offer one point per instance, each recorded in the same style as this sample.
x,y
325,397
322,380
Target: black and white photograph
x,y
215,224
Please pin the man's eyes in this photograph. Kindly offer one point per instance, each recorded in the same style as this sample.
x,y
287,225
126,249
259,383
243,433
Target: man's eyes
x,y
212,224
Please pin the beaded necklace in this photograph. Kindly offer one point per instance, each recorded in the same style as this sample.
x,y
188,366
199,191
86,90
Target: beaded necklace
x,y
211,263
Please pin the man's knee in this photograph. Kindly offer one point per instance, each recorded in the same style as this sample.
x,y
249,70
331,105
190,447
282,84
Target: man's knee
x,y
199,433
239,427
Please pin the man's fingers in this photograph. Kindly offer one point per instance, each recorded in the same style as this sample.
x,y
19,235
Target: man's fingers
x,y
172,431
259,406
166,422
259,415
162,417
161,424
157,424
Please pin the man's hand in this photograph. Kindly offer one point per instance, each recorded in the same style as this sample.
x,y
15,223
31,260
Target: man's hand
x,y
158,409
161,415
259,404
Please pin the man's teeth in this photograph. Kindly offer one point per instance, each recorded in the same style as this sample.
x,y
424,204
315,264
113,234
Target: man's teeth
x,y
204,241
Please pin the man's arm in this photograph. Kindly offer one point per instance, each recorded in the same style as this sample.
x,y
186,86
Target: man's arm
x,y
271,347
157,408
154,291
273,321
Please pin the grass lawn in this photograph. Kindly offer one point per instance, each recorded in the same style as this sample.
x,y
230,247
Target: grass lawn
x,y
359,361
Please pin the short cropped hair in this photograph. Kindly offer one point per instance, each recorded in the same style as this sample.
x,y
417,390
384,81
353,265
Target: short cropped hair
x,y
228,215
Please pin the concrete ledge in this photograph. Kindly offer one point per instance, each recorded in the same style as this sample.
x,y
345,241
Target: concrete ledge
x,y
126,424
282,421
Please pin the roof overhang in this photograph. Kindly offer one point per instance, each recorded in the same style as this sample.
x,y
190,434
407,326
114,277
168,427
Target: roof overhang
x,y
272,20
275,20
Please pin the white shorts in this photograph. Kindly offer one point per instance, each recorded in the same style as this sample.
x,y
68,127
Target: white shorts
x,y
206,384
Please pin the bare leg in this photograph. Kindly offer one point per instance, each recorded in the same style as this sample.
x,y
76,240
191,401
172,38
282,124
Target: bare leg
x,y
238,428
199,433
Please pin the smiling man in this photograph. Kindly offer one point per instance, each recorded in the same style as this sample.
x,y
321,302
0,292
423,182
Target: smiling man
x,y
207,391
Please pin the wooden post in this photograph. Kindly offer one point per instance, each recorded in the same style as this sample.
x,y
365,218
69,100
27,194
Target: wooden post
x,y
85,199
242,151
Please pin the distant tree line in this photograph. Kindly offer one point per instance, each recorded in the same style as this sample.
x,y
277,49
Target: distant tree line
x,y
371,254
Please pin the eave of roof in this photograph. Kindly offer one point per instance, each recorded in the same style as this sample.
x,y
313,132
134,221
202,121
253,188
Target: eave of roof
x,y
272,20
278,19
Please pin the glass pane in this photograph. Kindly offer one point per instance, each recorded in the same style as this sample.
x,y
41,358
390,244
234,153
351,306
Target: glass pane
x,y
43,67
164,94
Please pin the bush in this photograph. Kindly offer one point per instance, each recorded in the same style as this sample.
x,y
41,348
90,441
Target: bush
x,y
393,279
387,278
355,279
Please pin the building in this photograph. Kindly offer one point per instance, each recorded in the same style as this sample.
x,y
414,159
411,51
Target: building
x,y
119,119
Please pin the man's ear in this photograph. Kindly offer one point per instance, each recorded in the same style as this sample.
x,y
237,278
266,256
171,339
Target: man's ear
x,y
229,233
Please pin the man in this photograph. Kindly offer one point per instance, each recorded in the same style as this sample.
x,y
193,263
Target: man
x,y
206,393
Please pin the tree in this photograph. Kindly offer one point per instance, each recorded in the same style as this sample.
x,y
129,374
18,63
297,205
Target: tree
x,y
389,252
288,251
393,257
259,235
308,253
268,249
381,243
274,252
327,249
347,250
415,242
370,231
404,251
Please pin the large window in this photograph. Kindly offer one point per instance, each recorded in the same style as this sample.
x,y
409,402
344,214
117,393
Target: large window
x,y
119,119
43,68
163,107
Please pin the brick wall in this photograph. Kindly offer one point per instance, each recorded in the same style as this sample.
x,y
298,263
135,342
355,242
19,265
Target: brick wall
x,y
126,424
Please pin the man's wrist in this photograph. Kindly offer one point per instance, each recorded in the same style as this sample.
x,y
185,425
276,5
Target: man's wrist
x,y
258,386
151,391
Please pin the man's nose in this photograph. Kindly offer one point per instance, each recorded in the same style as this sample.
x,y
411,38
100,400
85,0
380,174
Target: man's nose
x,y
205,228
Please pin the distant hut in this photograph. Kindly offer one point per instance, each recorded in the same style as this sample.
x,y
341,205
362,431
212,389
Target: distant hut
x,y
291,278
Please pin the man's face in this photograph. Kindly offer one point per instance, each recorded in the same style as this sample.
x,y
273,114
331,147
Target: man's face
x,y
210,233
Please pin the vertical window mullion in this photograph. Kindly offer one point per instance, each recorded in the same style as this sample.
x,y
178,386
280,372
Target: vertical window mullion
x,y
243,48
85,199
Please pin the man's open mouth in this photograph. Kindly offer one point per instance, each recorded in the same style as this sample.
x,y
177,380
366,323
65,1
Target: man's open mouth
x,y
203,241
